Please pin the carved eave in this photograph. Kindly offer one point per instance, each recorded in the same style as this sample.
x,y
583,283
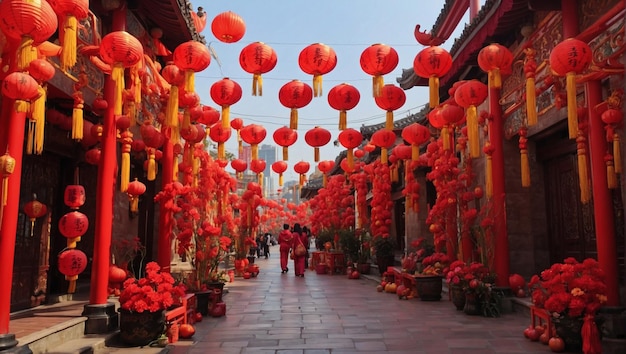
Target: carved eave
x,y
173,17
399,124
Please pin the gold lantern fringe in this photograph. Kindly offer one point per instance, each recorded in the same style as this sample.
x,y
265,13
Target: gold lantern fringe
x,y
254,151
525,167
257,85
117,75
317,85
583,180
611,177
260,180
77,122
383,155
343,119
187,119
21,106
226,116
415,152
302,180
324,180
349,158
489,176
220,151
134,204
152,172
189,81
68,51
280,179
494,78
171,112
37,123
617,156
175,170
445,136
389,120
125,171
531,101
195,167
433,88
395,176
316,153
472,132
71,288
377,85
293,119
285,153
25,53
572,109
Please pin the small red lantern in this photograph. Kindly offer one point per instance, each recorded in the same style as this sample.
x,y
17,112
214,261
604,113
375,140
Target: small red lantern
x,y
384,139
92,156
117,275
302,168
350,139
74,196
34,210
343,97
237,124
20,87
469,95
325,167
73,224
134,190
220,135
191,57
403,152
209,116
378,60
257,58
295,94
226,92
317,59
391,98
41,70
317,137
258,166
228,27
432,63
279,167
285,137
613,118
494,59
416,135
435,119
452,115
71,11
253,134
239,166
72,262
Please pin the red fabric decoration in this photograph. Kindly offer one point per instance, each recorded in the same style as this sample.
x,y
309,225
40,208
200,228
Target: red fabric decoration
x,y
469,95
343,97
317,137
239,166
150,135
495,59
253,134
432,63
72,262
285,137
391,98
378,60
384,139
295,94
257,58
416,135
73,224
209,116
317,59
74,196
226,92
228,27
191,57
350,139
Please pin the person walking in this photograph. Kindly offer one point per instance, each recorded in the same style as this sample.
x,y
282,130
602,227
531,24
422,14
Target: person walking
x,y
285,239
299,249
307,245
267,242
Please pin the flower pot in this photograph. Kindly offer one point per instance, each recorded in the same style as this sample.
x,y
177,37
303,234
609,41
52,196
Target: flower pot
x,y
202,302
320,268
472,304
364,268
141,328
429,287
457,296
216,289
568,329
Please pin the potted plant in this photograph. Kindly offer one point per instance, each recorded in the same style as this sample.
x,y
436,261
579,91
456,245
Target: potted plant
x,y
384,251
365,253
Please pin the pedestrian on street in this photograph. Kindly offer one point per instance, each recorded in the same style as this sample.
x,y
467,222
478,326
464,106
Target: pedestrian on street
x,y
299,240
284,241
307,244
267,242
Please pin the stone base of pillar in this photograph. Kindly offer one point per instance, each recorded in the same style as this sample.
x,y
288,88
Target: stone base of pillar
x,y
101,319
8,343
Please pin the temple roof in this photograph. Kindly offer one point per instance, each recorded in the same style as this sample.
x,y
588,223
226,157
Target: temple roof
x,y
172,16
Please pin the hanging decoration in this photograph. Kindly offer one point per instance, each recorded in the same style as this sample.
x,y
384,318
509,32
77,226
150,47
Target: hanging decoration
x,y
191,57
237,124
523,150
452,115
294,95
488,150
350,139
220,134
279,167
173,75
530,70
317,59
34,210
239,165
92,156
71,12
432,63
74,224
325,167
228,27
285,137
226,93
153,140
495,59
416,135
582,152
258,166
469,95
384,139
42,71
378,60
568,58
613,119
317,137
343,98
302,168
391,98
21,88
253,134
30,23
7,167
257,58
72,262
134,191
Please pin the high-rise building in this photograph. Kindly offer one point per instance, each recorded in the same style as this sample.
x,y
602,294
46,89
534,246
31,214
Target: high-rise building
x,y
268,153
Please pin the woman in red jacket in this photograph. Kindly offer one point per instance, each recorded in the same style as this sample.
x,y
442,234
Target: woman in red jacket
x,y
285,240
299,241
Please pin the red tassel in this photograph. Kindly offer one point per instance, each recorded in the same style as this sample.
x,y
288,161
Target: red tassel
x,y
591,337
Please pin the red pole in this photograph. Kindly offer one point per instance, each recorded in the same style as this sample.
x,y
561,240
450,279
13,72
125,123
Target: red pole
x,y
569,13
498,212
602,202
164,253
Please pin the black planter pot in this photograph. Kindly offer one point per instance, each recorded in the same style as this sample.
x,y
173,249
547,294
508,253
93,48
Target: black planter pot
x,y
458,297
141,328
364,268
429,287
384,262
202,301
472,304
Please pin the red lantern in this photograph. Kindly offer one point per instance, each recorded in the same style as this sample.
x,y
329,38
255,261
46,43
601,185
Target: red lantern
x,y
74,196
279,167
73,224
72,262
117,275
258,166
295,94
173,75
613,118
20,87
435,119
41,70
494,59
71,11
257,58
29,22
391,98
343,97
253,134
317,59
346,167
228,27
220,135
384,139
415,134
138,145
452,115
325,167
432,63
239,166
568,58
350,139
209,116
191,57
285,137
92,156
302,168
226,92
378,60
317,137
359,153
469,95
134,190
369,147
34,210
403,152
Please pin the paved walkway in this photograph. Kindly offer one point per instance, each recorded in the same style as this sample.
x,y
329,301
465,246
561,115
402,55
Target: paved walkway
x,y
281,313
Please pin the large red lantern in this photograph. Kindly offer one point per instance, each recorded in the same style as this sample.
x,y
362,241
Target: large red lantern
x,y
228,27
226,93
391,98
378,60
239,166
29,22
253,134
175,77
279,167
384,139
317,137
92,156
452,115
568,58
220,135
295,94
435,119
495,59
317,59
285,137
302,168
432,63
73,225
257,58
415,134
325,167
41,70
22,88
191,57
469,95
74,196
72,262
343,97
71,11
350,139
134,190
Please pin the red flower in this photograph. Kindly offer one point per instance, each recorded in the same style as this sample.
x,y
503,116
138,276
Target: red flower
x,y
155,292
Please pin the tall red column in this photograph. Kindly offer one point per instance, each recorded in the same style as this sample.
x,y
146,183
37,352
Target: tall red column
x,y
569,14
602,202
498,212
164,253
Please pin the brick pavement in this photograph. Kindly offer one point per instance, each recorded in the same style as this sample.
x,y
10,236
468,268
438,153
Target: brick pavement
x,y
280,313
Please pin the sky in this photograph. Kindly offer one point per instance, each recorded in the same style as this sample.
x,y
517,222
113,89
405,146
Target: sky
x,y
288,26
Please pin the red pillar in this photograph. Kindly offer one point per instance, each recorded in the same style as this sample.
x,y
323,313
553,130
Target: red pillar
x,y
569,13
498,211
164,253
602,202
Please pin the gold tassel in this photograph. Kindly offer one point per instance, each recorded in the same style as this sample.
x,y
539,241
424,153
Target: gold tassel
x,y
572,109
611,177
77,122
350,158
324,180
21,106
383,155
472,132
343,120
583,180
257,85
531,101
125,171
377,85
285,153
395,176
30,140
433,88
494,78
489,177
220,151
293,119
134,204
187,119
445,136
151,167
37,124
72,286
280,180
25,53
68,51
195,166
389,120
117,75
617,155
317,85
415,152
301,181
255,151
525,168
175,170
316,154
260,180
189,81
226,116
171,112
240,144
